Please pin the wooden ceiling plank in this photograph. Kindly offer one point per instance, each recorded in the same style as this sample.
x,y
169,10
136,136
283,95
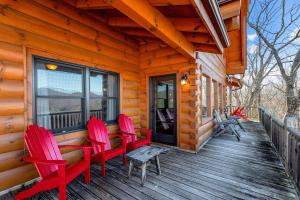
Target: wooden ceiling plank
x,y
200,38
151,19
207,48
101,4
228,10
181,24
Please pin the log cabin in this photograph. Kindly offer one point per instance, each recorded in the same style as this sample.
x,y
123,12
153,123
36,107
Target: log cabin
x,y
164,63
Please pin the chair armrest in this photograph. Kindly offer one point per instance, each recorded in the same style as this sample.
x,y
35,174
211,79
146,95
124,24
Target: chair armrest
x,y
44,162
97,143
74,146
127,133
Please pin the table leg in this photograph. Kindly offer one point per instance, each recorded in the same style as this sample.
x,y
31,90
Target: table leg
x,y
157,165
130,168
144,169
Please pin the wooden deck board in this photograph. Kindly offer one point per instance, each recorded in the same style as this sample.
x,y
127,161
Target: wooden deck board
x,y
223,169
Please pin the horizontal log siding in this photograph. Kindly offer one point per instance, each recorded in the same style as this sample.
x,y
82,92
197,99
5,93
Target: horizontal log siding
x,y
54,29
159,59
213,66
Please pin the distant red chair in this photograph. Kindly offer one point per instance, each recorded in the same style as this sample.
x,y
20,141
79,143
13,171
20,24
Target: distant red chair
x,y
99,138
127,129
53,170
240,112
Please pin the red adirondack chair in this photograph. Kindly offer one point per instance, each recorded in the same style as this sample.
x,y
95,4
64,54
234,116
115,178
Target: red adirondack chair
x,y
127,128
99,138
53,170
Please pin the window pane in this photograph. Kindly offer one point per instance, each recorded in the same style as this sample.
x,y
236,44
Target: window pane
x,y
102,87
204,97
112,85
220,98
98,108
63,81
162,91
98,84
160,103
59,113
111,109
213,95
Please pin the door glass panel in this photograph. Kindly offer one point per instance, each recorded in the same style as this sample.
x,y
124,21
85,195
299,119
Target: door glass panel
x,y
164,109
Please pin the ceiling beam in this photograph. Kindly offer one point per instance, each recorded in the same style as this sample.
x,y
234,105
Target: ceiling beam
x,y
201,38
181,24
155,22
101,4
231,9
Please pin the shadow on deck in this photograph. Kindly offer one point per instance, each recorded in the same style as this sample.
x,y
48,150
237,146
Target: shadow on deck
x,y
223,169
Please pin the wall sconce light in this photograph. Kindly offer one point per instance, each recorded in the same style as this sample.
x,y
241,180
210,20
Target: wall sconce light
x,y
51,66
184,79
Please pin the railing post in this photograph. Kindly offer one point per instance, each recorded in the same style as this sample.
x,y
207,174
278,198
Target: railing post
x,y
271,128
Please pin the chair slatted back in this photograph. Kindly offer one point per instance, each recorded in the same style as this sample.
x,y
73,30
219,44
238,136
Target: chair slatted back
x,y
126,125
163,120
41,144
170,114
218,119
97,131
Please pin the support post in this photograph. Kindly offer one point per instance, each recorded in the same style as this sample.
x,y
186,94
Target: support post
x,y
230,99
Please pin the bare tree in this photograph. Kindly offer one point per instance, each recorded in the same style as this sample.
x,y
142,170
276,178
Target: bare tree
x,y
273,22
260,65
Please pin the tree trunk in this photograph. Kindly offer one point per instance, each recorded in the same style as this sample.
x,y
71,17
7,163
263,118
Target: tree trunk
x,y
291,118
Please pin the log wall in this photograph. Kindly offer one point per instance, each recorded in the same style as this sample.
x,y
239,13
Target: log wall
x,y
55,30
212,66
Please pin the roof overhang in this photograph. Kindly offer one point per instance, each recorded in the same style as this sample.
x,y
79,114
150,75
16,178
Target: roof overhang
x,y
213,11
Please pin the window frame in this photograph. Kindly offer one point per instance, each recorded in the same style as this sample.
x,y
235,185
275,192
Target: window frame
x,y
208,96
85,99
220,97
215,94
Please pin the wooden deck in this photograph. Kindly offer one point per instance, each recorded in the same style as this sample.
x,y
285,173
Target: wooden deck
x,y
223,169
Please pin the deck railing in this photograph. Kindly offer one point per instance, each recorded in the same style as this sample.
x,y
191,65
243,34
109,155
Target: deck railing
x,y
286,140
61,120
251,112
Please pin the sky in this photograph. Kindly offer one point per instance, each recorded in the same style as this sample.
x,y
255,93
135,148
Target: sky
x,y
252,38
251,35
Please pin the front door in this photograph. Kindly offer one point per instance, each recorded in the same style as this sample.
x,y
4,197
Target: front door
x,y
163,109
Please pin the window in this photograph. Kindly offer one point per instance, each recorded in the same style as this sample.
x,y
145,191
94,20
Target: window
x,y
220,98
205,96
224,97
64,91
214,95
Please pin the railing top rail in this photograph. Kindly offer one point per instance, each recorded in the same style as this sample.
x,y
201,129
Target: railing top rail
x,y
291,130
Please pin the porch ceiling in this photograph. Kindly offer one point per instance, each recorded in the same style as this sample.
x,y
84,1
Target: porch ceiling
x,y
179,23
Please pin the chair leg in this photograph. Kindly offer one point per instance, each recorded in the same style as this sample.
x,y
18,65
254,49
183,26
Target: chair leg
x,y
87,177
124,160
63,192
38,187
103,168
27,193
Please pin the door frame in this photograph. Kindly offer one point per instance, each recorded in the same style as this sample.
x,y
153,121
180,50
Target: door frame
x,y
151,93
